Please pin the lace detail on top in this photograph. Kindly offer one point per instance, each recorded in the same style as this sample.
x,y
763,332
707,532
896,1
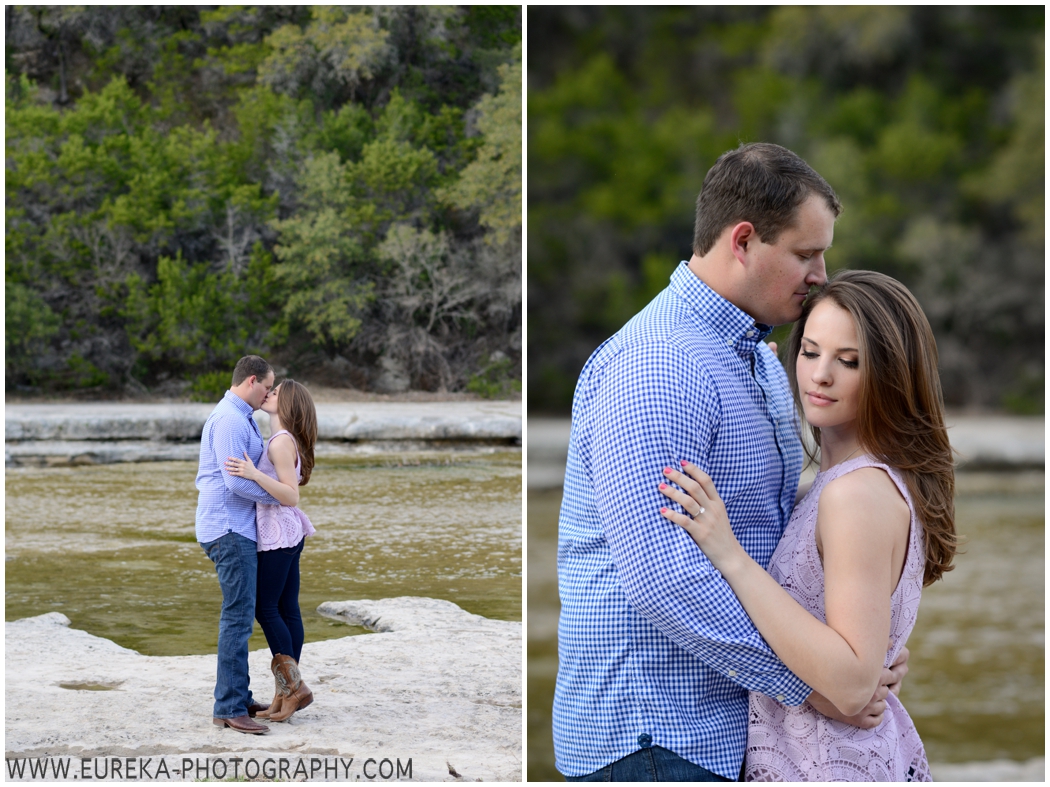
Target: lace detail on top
x,y
799,744
279,527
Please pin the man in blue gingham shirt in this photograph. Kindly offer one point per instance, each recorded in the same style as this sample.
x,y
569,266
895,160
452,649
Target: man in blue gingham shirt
x,y
656,654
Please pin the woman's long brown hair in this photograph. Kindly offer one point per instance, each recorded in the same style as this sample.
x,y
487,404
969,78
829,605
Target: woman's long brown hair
x,y
900,414
295,408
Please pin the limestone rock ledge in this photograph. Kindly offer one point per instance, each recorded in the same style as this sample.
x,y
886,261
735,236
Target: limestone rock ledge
x,y
484,420
435,684
106,432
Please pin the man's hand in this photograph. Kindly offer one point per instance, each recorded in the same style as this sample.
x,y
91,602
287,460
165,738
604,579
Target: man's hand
x,y
871,716
893,677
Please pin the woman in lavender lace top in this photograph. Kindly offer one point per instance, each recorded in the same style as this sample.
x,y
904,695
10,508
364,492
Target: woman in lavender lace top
x,y
285,465
875,528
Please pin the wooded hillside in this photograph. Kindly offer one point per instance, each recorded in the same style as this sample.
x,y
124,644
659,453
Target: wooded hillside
x,y
335,188
928,122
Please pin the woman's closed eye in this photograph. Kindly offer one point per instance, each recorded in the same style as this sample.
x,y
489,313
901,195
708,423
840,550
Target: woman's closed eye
x,y
847,362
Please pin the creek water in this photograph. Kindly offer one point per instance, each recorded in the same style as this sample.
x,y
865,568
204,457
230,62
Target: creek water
x,y
112,547
976,683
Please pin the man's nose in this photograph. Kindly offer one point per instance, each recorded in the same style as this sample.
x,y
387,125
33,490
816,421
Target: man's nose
x,y
817,273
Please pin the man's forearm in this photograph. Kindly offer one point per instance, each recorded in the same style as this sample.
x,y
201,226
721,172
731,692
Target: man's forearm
x,y
230,444
249,490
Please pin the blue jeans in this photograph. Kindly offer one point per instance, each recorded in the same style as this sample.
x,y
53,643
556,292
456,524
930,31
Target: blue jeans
x,y
236,564
653,764
277,600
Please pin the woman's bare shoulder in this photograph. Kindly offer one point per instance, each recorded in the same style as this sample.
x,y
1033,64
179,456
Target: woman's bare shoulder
x,y
863,494
282,444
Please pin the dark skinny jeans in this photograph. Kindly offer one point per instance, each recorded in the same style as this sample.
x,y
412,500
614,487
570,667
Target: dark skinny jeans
x,y
277,600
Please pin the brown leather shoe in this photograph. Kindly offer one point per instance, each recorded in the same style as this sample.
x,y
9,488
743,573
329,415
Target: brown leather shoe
x,y
242,724
256,708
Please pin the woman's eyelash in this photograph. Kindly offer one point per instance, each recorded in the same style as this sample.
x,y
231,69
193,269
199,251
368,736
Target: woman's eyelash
x,y
847,364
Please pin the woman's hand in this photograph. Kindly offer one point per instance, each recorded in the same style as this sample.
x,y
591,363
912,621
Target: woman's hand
x,y
708,523
244,468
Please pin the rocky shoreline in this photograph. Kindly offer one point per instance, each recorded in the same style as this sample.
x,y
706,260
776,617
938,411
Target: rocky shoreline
x,y
434,695
107,432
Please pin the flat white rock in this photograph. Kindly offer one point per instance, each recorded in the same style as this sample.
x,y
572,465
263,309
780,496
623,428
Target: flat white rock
x,y
435,684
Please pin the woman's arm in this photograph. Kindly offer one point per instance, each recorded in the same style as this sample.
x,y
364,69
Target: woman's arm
x,y
870,716
282,454
861,518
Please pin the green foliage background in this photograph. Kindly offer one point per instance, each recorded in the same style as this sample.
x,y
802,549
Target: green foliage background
x,y
337,188
928,122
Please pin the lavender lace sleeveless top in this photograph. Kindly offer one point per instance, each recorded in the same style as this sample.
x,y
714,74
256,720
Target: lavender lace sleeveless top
x,y
797,744
279,526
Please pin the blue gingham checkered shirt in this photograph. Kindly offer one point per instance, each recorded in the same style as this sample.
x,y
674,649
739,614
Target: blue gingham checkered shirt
x,y
226,503
653,647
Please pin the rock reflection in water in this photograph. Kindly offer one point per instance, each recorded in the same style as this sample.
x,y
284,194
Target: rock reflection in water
x,y
113,546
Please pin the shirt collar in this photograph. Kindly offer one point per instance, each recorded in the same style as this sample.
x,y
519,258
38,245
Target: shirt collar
x,y
738,329
238,402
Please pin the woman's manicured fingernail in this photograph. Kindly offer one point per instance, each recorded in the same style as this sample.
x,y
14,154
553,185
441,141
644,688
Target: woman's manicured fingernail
x,y
663,486
684,463
667,471
663,510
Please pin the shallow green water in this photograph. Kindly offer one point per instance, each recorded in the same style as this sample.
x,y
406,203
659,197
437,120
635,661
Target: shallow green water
x,y
112,547
976,683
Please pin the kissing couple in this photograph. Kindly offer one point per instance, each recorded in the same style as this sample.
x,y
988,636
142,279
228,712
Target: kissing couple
x,y
249,525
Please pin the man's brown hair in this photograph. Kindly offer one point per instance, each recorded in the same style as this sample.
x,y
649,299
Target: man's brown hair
x,y
761,183
249,365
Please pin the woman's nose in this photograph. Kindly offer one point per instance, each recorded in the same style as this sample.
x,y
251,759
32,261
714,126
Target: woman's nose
x,y
821,372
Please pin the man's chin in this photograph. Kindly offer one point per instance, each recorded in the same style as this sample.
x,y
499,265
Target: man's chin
x,y
788,316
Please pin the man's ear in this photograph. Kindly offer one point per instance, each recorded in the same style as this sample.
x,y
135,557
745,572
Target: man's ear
x,y
741,237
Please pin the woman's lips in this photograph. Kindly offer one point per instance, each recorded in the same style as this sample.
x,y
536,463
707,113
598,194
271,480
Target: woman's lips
x,y
820,399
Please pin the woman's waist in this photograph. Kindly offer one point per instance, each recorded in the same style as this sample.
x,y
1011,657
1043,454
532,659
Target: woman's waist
x,y
804,721
276,507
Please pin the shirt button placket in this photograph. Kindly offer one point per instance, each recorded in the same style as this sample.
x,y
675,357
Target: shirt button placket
x,y
645,740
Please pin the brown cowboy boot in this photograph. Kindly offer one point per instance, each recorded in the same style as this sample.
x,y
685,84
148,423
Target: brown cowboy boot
x,y
295,695
275,705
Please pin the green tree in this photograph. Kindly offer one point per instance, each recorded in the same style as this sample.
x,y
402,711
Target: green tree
x,y
491,184
328,60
